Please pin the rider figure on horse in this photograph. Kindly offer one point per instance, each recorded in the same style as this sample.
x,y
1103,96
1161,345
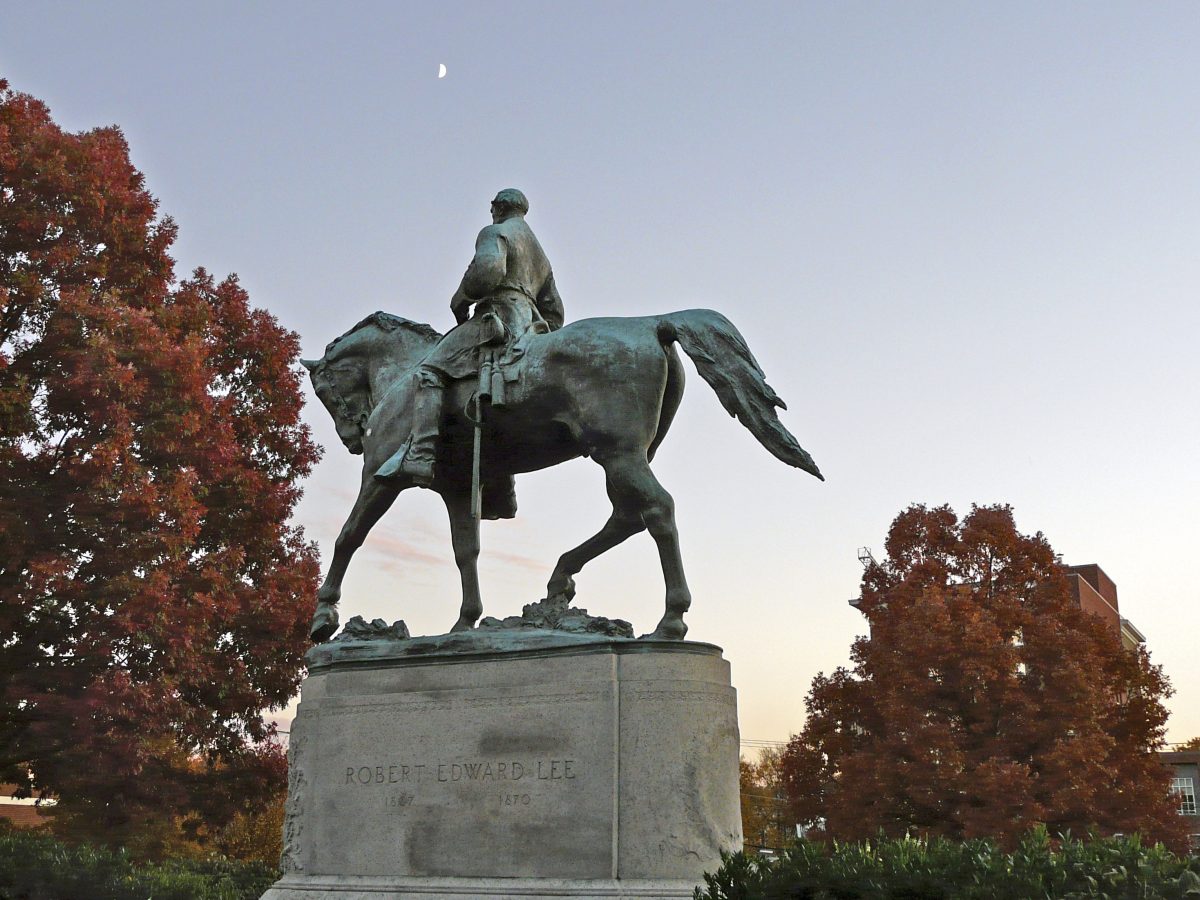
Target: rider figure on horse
x,y
511,285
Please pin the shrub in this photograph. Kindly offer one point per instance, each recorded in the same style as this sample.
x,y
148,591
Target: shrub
x,y
912,868
35,866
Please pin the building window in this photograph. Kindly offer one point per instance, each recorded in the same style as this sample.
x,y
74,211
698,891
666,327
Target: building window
x,y
1184,789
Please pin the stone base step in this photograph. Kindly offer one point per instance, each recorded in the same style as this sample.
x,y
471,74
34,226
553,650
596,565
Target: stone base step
x,y
345,887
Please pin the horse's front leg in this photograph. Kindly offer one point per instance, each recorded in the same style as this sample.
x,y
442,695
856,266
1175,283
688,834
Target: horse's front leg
x,y
374,498
464,533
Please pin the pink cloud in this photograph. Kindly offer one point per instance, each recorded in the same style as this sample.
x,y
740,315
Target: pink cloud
x,y
515,559
396,549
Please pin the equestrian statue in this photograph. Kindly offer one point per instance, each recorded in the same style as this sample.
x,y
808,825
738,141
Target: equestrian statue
x,y
512,389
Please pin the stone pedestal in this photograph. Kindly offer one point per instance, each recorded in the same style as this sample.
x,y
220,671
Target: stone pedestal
x,y
537,764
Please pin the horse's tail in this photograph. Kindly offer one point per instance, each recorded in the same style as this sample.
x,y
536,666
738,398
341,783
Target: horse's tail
x,y
726,363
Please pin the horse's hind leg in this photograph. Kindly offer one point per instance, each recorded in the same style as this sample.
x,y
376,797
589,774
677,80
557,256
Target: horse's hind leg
x,y
619,527
635,490
374,498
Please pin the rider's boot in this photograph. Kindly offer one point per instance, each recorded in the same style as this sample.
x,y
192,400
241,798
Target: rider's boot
x,y
499,497
426,425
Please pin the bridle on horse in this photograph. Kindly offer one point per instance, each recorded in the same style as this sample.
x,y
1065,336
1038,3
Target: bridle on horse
x,y
339,402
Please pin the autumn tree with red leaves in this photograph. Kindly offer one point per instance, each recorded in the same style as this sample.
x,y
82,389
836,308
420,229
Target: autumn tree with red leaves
x,y
153,597
983,702
766,820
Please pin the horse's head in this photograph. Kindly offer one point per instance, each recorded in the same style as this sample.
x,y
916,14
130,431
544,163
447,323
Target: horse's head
x,y
341,386
347,379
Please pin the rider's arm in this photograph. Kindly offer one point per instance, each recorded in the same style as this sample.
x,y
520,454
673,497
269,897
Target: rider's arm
x,y
488,267
460,305
550,305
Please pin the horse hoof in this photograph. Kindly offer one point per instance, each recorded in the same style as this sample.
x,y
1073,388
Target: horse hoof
x,y
324,624
667,631
462,625
561,587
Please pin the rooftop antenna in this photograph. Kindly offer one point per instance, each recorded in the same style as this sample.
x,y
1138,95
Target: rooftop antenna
x,y
867,558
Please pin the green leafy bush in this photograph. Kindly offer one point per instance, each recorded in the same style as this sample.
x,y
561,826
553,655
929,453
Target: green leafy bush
x,y
916,869
35,866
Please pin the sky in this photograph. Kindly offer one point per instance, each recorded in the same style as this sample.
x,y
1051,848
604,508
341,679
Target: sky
x,y
960,238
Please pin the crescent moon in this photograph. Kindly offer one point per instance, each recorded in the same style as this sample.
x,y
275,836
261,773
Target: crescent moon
x,y
441,70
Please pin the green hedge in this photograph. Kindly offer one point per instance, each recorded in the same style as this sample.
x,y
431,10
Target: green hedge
x,y
35,866
886,869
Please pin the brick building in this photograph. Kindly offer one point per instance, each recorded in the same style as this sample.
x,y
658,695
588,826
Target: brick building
x,y
1185,775
22,813
1090,587
1096,593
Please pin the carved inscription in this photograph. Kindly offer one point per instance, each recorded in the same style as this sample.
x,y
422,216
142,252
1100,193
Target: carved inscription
x,y
511,773
397,785
479,771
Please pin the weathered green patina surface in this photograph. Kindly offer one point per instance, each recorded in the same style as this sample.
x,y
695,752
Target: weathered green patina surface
x,y
410,399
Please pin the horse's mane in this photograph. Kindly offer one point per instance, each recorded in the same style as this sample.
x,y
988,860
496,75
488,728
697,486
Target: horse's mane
x,y
387,322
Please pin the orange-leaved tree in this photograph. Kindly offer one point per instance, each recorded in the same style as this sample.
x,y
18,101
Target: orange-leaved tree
x,y
767,822
152,592
983,702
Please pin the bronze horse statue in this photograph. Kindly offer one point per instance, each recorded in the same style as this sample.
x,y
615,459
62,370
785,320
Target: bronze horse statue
x,y
604,388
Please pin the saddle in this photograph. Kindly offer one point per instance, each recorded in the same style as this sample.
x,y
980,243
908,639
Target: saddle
x,y
484,348
501,365
457,355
